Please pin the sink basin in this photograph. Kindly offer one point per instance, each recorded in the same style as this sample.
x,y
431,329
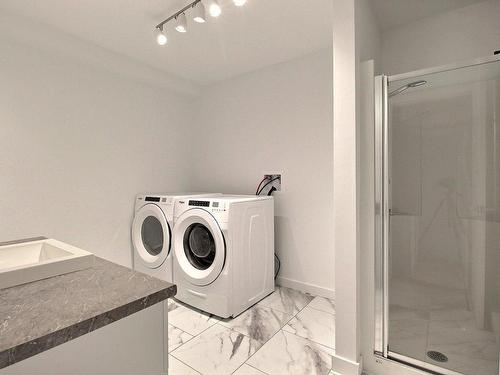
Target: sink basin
x,y
38,259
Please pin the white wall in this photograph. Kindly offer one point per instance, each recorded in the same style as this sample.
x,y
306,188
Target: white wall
x,y
77,143
462,34
368,35
345,225
277,119
368,51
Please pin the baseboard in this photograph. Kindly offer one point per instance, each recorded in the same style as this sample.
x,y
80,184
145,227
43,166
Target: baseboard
x,y
306,287
343,366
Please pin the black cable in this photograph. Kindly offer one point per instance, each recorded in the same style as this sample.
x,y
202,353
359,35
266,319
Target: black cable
x,y
278,267
267,183
258,187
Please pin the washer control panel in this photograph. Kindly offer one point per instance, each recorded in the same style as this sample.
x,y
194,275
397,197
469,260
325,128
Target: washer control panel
x,y
154,199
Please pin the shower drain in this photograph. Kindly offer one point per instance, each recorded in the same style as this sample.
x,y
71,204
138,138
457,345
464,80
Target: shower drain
x,y
437,356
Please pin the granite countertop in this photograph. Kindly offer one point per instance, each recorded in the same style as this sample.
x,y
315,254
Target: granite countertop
x,y
37,316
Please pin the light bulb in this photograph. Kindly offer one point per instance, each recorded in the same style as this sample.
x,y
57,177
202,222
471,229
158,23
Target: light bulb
x,y
214,8
239,3
161,38
181,23
199,13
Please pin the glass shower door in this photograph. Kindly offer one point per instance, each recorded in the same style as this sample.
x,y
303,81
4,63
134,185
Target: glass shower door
x,y
442,272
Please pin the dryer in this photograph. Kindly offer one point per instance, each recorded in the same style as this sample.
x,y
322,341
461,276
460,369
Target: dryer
x,y
224,252
152,233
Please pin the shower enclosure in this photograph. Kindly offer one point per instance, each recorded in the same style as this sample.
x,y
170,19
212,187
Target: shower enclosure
x,y
438,218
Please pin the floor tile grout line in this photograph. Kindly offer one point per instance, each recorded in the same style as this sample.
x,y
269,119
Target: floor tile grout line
x,y
245,362
286,312
209,316
280,330
323,311
180,329
314,342
198,333
272,308
312,308
309,305
185,364
201,332
248,364
230,329
238,332
291,316
255,368
192,337
305,338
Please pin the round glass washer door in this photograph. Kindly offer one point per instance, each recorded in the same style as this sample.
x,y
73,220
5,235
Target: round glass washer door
x,y
151,235
199,246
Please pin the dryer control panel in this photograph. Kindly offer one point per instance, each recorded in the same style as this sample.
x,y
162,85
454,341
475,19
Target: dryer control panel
x,y
199,203
215,206
218,208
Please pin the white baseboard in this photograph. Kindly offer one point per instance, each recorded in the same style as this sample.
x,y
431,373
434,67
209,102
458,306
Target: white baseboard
x,y
343,366
306,287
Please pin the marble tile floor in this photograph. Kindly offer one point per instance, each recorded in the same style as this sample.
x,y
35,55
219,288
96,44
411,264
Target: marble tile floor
x,y
289,332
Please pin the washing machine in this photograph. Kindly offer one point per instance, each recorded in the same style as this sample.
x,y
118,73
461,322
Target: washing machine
x,y
224,252
152,233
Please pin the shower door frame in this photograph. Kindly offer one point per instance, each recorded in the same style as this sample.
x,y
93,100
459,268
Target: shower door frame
x,y
382,217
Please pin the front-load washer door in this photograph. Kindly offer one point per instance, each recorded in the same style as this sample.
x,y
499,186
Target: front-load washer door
x,y
199,247
151,235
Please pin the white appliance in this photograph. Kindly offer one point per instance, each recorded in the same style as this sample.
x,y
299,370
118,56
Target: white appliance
x,y
224,252
152,233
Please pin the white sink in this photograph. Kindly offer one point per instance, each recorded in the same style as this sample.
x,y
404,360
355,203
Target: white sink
x,y
38,259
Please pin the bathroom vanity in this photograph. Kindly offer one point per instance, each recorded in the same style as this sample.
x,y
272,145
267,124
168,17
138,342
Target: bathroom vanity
x,y
105,319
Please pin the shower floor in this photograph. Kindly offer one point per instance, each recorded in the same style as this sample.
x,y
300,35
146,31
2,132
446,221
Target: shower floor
x,y
425,317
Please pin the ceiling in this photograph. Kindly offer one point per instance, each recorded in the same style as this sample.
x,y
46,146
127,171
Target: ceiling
x,y
262,33
394,13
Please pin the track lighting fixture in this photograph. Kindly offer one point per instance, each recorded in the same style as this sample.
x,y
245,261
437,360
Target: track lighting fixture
x,y
161,38
181,23
199,16
214,8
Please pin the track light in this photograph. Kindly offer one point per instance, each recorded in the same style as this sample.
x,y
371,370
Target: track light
x,y
200,15
214,8
161,38
181,23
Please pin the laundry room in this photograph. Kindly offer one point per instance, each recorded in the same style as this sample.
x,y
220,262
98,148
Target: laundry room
x,y
96,124
97,129
280,187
